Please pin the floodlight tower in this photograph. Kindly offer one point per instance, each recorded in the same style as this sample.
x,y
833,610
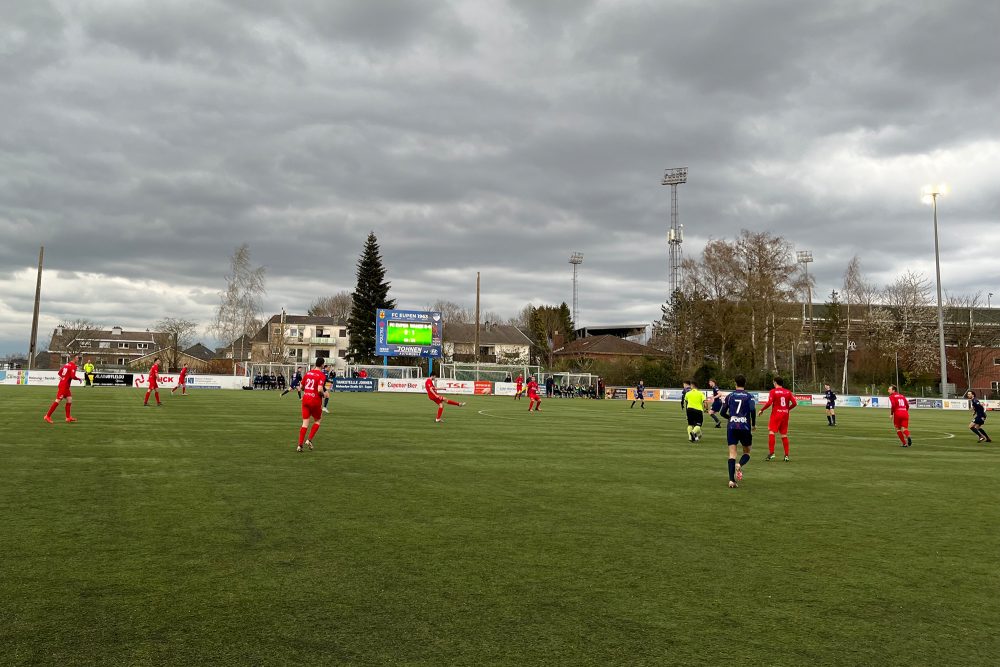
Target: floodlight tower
x,y
930,194
675,236
805,257
576,259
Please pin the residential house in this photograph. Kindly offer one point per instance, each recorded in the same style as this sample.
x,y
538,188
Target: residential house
x,y
606,347
498,343
300,339
112,348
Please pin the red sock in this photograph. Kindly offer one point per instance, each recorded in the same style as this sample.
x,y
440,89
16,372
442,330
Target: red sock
x,y
68,404
52,408
770,444
906,433
157,393
440,411
145,401
302,435
312,433
784,443
451,402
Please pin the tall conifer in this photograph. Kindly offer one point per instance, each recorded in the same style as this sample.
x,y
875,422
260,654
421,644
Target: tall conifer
x,y
371,293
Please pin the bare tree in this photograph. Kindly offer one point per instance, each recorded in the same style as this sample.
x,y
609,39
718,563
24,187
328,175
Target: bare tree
x,y
522,319
240,304
180,333
852,285
453,312
337,306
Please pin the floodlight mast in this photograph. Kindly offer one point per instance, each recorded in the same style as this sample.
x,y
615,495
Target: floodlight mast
x,y
675,236
576,259
805,257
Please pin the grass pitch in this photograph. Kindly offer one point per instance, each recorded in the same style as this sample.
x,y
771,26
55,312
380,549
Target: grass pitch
x,y
586,534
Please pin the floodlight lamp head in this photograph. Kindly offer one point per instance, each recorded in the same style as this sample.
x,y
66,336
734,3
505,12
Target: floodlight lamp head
x,y
675,176
576,258
804,256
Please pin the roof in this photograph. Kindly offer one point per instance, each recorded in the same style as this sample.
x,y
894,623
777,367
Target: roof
x,y
607,345
620,330
199,351
494,334
62,337
230,351
262,337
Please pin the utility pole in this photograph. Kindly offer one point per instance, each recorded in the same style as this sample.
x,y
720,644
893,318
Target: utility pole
x,y
805,257
477,319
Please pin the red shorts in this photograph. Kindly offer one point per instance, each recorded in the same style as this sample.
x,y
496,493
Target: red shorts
x,y
63,392
778,423
314,410
901,420
153,386
181,381
437,399
532,396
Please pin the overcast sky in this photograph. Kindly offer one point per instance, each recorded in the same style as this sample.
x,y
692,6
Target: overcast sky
x,y
141,142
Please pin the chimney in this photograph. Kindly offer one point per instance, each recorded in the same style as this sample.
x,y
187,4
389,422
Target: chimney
x,y
116,331
59,330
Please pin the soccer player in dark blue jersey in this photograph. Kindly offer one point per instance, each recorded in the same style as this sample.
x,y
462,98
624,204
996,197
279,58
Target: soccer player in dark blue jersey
x,y
978,417
684,390
831,406
739,409
295,384
716,406
330,375
640,395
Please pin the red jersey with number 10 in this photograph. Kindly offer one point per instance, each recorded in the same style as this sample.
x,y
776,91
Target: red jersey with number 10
x,y
898,404
312,386
780,400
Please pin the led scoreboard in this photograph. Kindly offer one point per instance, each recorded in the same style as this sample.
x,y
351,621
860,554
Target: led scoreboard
x,y
408,333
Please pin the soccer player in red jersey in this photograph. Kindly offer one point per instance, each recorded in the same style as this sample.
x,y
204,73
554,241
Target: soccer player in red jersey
x,y
781,401
519,388
182,382
432,393
899,408
154,384
533,398
66,376
313,392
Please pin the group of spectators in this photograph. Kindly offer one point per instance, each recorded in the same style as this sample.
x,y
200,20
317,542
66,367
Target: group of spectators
x,y
268,381
553,390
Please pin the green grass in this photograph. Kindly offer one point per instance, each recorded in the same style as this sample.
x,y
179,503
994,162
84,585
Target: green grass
x,y
587,534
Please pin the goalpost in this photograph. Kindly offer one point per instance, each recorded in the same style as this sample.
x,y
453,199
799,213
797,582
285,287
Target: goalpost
x,y
490,372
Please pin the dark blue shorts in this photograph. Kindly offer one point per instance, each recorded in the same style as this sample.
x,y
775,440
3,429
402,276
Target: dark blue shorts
x,y
979,420
740,436
830,406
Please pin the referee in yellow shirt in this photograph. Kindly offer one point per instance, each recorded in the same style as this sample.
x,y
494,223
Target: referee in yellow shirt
x,y
694,404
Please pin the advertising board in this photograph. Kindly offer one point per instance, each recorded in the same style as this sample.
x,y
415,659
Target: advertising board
x,y
614,392
408,333
504,388
355,384
112,379
34,378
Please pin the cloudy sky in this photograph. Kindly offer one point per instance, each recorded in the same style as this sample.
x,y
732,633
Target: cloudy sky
x,y
141,142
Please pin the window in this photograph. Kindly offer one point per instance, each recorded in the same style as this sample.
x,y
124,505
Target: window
x,y
141,346
996,361
84,343
323,353
321,332
343,355
996,386
121,361
104,345
122,346
291,353
343,333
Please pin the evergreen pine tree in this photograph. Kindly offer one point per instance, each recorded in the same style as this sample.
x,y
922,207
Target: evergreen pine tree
x,y
371,293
